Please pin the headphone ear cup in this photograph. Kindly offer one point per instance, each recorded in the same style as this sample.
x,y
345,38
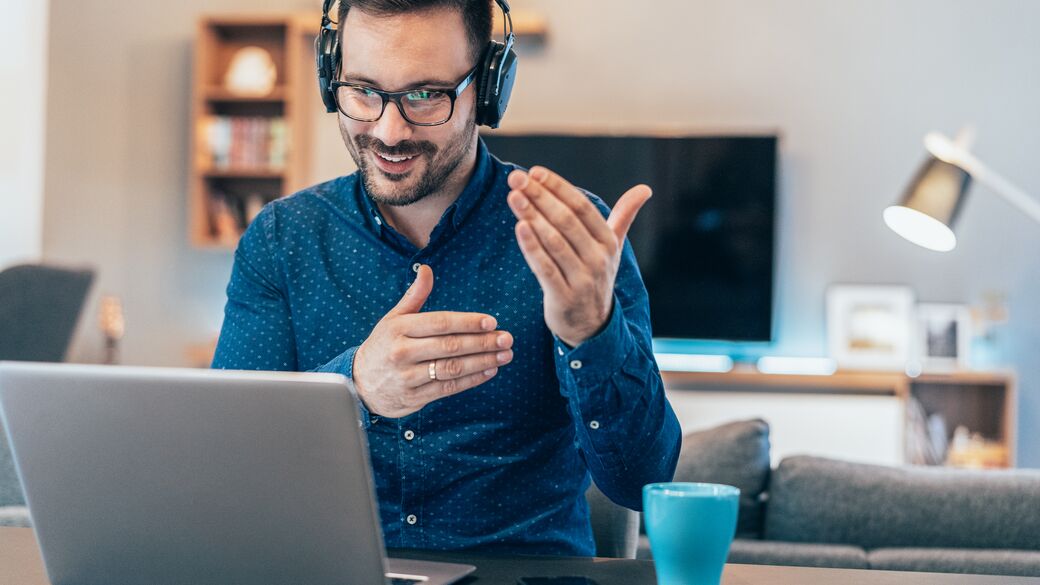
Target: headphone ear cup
x,y
496,84
326,50
485,80
506,76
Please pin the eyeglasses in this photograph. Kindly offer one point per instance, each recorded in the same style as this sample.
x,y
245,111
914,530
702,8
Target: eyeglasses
x,y
421,107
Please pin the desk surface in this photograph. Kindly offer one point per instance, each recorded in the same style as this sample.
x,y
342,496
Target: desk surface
x,y
20,564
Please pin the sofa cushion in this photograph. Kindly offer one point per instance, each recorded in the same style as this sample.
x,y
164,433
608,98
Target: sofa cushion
x,y
957,560
813,499
798,554
735,454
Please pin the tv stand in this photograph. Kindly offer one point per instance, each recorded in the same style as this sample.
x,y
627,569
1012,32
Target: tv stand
x,y
818,413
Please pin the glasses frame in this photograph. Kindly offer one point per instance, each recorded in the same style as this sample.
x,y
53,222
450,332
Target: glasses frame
x,y
396,96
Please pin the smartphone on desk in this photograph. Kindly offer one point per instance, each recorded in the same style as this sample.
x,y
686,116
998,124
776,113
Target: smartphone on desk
x,y
555,581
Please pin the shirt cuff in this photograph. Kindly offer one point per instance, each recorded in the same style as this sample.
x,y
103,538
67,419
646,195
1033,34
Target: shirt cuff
x,y
596,359
344,364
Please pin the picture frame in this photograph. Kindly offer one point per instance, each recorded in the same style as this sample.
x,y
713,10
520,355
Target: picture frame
x,y
870,327
943,336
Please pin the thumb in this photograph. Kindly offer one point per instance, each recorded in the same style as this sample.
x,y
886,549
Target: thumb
x,y
624,212
416,295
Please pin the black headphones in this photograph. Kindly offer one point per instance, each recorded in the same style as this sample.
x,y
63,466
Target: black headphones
x,y
495,76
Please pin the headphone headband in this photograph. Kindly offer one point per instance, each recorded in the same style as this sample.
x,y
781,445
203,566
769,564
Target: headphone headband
x,y
494,82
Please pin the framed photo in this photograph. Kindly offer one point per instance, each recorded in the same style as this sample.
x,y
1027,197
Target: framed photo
x,y
943,336
869,327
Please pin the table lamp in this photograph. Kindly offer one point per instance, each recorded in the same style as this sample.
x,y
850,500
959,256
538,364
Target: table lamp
x,y
931,203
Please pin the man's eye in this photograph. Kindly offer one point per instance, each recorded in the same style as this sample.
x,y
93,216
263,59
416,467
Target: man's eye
x,y
368,92
420,95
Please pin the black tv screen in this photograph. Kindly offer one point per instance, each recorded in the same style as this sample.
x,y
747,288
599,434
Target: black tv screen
x,y
704,242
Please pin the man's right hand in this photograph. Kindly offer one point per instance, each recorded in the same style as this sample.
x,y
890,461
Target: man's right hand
x,y
392,372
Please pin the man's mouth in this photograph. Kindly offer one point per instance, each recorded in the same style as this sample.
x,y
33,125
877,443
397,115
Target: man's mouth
x,y
395,158
394,164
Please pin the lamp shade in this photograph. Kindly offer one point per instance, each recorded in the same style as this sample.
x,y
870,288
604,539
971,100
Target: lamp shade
x,y
930,205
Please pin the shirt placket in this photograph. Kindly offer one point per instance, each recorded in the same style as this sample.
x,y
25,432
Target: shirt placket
x,y
409,438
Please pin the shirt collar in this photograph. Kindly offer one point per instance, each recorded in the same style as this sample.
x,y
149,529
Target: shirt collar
x,y
457,211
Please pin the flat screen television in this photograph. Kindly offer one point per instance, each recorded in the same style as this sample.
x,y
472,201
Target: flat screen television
x,y
704,242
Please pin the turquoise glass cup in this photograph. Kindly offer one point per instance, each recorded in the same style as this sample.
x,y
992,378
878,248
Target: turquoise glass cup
x,y
690,526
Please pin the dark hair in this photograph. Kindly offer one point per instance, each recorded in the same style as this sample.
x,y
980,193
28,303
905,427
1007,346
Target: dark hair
x,y
476,15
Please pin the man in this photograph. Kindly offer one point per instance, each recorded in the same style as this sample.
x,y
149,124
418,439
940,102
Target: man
x,y
490,396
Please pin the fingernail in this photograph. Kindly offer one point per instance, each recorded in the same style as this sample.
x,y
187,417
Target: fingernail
x,y
487,323
502,340
521,202
504,356
538,174
490,372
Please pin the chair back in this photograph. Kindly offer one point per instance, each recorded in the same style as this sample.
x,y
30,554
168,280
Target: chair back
x,y
39,309
614,528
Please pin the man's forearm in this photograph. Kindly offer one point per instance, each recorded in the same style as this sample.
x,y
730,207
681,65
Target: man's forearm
x,y
623,422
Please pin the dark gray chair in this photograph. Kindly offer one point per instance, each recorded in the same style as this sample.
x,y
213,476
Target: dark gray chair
x,y
39,309
614,528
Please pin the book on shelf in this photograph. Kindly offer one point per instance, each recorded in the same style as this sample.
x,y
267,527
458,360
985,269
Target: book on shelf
x,y
243,143
231,214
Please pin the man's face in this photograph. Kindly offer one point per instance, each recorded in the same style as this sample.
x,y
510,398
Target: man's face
x,y
425,49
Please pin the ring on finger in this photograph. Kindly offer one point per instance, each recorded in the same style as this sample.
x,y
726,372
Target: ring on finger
x,y
432,369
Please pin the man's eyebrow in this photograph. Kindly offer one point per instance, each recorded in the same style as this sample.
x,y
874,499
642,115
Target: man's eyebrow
x,y
349,78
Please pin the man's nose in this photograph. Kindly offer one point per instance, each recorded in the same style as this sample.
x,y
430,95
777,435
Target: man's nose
x,y
392,128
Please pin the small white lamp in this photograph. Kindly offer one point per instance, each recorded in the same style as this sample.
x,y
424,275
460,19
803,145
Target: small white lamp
x,y
934,198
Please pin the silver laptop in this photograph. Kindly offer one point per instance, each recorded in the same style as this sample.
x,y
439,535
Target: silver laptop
x,y
175,476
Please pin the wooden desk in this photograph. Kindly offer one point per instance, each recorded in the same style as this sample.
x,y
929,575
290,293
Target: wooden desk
x,y
20,564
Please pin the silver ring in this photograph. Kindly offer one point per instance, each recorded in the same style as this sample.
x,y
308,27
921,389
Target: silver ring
x,y
432,368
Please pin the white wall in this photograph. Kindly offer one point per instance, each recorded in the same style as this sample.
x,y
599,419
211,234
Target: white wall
x,y
23,45
852,87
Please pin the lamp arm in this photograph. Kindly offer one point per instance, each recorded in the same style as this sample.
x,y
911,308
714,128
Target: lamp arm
x,y
956,153
1006,189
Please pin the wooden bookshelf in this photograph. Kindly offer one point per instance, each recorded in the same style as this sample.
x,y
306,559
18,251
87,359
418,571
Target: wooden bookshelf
x,y
984,402
246,149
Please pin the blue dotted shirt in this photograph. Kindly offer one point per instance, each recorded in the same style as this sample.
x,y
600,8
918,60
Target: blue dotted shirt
x,y
503,466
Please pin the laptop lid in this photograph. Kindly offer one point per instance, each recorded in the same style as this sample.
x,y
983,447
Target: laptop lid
x,y
176,476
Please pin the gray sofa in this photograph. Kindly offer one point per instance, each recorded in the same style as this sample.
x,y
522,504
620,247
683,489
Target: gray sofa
x,y
811,511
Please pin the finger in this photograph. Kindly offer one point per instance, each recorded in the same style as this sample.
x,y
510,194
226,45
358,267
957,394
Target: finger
x,y
456,367
445,323
576,199
435,390
548,208
430,348
543,266
559,247
624,212
417,293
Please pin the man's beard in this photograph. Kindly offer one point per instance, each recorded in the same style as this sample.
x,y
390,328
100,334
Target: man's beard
x,y
440,164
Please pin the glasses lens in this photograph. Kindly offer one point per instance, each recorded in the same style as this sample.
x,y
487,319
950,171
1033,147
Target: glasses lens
x,y
359,103
424,106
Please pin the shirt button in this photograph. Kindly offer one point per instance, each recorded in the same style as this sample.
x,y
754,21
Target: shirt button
x,y
411,519
409,435
560,349
415,267
576,365
378,221
594,425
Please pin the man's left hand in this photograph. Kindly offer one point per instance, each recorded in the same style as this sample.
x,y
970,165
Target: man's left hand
x,y
573,252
